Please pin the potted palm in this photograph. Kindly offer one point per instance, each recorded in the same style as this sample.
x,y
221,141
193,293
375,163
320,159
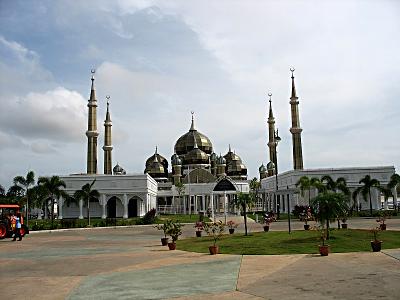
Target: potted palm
x,y
164,227
306,225
199,228
215,230
323,249
376,244
174,231
344,223
231,225
381,220
267,221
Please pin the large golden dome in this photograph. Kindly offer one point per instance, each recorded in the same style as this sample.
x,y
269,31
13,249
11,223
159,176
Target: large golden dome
x,y
187,141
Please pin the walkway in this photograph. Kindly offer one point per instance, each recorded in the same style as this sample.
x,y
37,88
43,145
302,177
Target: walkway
x,y
129,263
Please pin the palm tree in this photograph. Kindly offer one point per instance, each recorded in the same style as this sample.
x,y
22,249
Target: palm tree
x,y
328,206
87,194
365,189
39,197
306,184
25,183
339,185
393,183
53,189
243,201
15,193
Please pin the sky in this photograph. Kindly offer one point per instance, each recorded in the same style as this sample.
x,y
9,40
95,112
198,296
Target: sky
x,y
160,60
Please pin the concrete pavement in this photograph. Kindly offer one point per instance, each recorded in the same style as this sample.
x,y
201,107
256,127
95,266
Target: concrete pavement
x,y
129,263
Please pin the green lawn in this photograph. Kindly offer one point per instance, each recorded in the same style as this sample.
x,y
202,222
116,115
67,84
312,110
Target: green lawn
x,y
183,218
298,242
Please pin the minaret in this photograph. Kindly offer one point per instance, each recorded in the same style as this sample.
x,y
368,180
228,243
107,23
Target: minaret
x,y
92,133
295,129
107,141
271,132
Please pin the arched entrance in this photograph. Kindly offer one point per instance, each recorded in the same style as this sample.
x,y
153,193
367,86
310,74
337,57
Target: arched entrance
x,y
133,207
112,207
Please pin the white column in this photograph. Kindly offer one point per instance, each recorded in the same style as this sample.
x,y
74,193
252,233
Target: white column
x,y
394,192
190,204
184,204
80,209
125,199
212,206
103,205
225,206
60,205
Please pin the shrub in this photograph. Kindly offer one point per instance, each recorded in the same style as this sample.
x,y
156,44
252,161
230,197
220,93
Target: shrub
x,y
149,218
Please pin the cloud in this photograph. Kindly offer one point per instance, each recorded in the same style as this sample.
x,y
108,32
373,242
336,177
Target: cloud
x,y
58,114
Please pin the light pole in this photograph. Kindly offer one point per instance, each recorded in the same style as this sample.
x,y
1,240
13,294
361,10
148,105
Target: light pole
x,y
277,139
288,209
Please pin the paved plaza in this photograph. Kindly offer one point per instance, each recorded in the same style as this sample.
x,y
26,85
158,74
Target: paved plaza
x,y
129,263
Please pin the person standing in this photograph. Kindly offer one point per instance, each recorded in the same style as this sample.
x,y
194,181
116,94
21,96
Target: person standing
x,y
18,227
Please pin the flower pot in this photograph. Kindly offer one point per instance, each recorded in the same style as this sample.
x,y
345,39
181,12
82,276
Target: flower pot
x,y
171,246
164,241
266,228
324,250
306,227
344,226
376,246
213,250
231,230
198,233
382,226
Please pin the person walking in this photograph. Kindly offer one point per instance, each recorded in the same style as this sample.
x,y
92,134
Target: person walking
x,y
18,227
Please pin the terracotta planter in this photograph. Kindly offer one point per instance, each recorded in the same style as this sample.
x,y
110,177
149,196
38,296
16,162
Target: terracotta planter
x,y
198,233
266,228
231,230
171,246
344,226
306,227
213,250
376,246
324,250
164,241
382,226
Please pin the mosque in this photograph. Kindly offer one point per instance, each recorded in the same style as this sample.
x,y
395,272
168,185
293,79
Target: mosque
x,y
199,180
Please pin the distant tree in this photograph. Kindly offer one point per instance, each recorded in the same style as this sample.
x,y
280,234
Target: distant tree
x,y
393,183
53,187
15,194
365,189
39,197
87,194
243,201
180,188
255,186
2,191
327,206
25,183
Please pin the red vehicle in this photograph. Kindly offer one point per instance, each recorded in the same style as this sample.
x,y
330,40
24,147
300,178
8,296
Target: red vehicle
x,y
5,222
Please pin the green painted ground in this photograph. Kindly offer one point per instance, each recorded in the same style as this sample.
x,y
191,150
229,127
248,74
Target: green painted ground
x,y
161,283
298,242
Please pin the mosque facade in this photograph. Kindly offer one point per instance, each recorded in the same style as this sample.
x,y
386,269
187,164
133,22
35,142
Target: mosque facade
x,y
196,179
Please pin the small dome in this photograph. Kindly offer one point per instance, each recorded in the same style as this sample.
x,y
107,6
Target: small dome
x,y
156,169
221,160
262,169
159,158
270,166
175,160
118,170
231,155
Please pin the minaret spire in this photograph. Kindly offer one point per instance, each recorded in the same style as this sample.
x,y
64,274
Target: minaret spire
x,y
296,129
107,141
271,132
192,125
92,133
